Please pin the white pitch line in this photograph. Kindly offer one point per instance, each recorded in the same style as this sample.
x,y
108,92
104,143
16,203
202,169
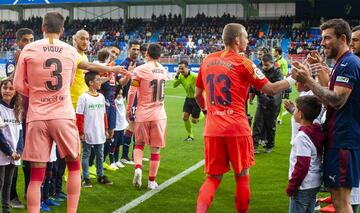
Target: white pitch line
x,y
175,96
284,113
151,193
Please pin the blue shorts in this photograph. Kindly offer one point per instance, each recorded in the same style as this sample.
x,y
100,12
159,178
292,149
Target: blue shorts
x,y
342,168
111,116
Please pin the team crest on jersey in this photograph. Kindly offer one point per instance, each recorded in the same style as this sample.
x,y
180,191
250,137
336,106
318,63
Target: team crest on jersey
x,y
135,83
342,79
257,72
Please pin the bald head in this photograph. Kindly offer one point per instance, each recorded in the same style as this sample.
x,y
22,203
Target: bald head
x,y
231,31
81,40
81,33
235,37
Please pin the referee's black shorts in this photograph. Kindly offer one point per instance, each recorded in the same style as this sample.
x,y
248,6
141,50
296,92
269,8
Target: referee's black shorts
x,y
191,107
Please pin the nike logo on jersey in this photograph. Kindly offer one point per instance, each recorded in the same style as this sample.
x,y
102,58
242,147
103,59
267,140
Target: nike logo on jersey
x,y
332,178
343,65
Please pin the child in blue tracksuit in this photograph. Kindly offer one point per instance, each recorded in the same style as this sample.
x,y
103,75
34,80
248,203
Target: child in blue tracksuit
x,y
108,89
11,140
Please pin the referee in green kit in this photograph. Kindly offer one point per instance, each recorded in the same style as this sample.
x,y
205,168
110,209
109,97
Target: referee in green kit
x,y
188,79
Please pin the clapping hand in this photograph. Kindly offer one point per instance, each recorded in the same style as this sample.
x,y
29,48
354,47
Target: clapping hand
x,y
300,72
316,63
289,106
314,58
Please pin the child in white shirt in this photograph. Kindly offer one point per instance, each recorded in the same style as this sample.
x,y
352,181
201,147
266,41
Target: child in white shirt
x,y
92,124
121,124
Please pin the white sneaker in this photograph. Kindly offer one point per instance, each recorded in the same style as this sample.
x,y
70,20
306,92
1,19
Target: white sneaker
x,y
125,161
137,178
152,185
119,164
114,166
145,159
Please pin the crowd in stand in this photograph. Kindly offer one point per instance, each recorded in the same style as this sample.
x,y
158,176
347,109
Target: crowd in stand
x,y
197,37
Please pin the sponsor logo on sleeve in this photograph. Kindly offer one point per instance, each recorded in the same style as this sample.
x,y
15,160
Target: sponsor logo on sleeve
x,y
257,72
342,79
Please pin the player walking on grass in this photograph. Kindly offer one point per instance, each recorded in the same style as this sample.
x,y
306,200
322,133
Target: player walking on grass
x,y
225,77
44,73
148,82
187,79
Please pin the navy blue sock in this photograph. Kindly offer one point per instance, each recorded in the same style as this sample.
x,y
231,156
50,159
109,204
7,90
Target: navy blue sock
x,y
126,146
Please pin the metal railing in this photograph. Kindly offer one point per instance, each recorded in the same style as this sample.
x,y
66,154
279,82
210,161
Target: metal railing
x,y
175,59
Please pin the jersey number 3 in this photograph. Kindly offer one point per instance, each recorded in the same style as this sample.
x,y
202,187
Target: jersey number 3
x,y
55,74
211,80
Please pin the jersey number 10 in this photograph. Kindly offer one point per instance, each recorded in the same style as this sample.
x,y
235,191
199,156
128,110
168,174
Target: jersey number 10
x,y
158,89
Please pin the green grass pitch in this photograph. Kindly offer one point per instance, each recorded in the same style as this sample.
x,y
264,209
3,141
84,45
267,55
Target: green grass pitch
x,y
268,177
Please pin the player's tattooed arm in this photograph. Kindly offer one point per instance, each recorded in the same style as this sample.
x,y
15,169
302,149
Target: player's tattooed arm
x,y
336,98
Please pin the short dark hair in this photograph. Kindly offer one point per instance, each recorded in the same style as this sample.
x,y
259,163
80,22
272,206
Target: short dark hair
x,y
133,42
356,28
186,63
267,58
23,31
53,22
340,27
90,76
154,51
144,47
310,106
279,50
103,54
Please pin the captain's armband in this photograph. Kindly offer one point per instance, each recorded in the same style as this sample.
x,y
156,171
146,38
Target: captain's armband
x,y
135,83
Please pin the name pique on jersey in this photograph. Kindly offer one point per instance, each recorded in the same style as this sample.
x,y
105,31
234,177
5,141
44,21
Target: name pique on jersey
x,y
52,48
